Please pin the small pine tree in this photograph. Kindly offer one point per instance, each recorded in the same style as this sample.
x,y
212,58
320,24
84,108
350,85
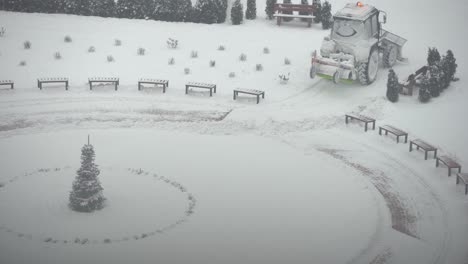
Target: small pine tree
x,y
318,11
433,57
221,6
86,195
237,13
434,80
393,86
304,2
269,8
287,19
424,95
251,12
326,15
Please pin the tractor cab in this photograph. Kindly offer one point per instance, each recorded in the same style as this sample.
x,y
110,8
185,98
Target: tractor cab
x,y
356,41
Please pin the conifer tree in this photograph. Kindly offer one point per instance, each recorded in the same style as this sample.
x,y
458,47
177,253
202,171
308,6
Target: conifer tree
x,y
251,11
304,2
317,11
237,13
130,9
206,11
287,19
269,8
393,86
86,194
221,6
171,10
326,15
433,57
448,68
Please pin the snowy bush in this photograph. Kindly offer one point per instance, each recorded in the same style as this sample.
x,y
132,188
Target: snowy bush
x,y
107,241
266,50
287,61
243,57
22,63
194,54
221,48
258,67
117,42
2,31
448,67
212,63
424,95
172,43
141,51
187,71
284,78
91,49
317,11
57,55
433,56
237,13
67,39
27,44
232,74
171,61
110,58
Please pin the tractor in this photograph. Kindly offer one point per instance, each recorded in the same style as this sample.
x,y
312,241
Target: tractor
x,y
356,46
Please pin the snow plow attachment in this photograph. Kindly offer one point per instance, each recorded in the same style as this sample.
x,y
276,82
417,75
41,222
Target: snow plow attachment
x,y
338,69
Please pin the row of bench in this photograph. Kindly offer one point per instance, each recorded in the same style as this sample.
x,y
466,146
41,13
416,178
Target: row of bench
x,y
418,143
164,84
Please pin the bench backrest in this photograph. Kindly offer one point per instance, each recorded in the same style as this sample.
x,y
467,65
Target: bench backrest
x,y
293,7
57,79
103,79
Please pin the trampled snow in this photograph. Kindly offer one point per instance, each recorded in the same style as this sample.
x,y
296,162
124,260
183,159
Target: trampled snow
x,y
199,179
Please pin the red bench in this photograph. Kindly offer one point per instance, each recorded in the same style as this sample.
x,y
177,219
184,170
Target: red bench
x,y
450,163
395,131
286,11
425,146
7,82
365,119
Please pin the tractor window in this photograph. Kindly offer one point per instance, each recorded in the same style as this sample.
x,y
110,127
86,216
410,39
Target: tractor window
x,y
347,28
375,25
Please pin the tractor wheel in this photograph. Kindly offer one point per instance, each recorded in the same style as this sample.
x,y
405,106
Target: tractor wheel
x,y
390,55
367,72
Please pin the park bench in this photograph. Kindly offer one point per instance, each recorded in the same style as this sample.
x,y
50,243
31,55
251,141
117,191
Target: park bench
x,y
101,80
464,178
7,82
449,162
425,146
365,119
395,131
286,11
211,87
156,82
249,91
41,81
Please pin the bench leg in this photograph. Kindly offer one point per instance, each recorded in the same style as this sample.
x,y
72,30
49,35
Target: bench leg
x,y
234,95
398,139
459,169
373,125
66,86
139,86
215,89
435,154
449,172
164,87
90,86
425,154
116,84
386,133
186,89
437,163
365,127
258,99
406,139
411,146
12,86
263,95
466,189
458,180
380,131
346,119
211,92
278,21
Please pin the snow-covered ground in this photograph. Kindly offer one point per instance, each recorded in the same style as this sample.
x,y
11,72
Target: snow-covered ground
x,y
226,181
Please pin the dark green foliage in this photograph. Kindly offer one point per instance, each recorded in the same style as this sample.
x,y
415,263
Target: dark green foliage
x,y
448,67
221,6
251,12
304,2
433,57
393,86
269,8
237,13
206,11
131,9
424,95
86,195
434,81
172,10
287,19
326,15
318,11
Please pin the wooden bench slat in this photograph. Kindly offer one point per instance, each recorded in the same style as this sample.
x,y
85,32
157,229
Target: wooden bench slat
x,y
211,87
424,145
